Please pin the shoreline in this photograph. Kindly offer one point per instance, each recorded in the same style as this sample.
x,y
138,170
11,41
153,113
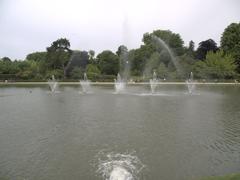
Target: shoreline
x,y
112,83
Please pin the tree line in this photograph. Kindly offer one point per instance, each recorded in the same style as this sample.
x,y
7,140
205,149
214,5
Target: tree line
x,y
207,61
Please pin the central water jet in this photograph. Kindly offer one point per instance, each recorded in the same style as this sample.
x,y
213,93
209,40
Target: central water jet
x,y
153,82
85,84
53,84
190,84
119,84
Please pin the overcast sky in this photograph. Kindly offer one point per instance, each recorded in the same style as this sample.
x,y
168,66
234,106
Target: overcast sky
x,y
31,25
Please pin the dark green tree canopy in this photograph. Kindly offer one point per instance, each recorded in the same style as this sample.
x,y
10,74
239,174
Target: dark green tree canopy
x,y
190,49
61,44
173,40
108,62
204,47
58,54
230,41
91,54
6,59
37,56
78,59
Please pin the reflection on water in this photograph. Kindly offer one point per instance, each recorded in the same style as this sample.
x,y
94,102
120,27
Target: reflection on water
x,y
175,136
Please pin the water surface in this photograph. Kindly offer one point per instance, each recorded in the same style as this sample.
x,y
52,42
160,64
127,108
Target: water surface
x,y
175,135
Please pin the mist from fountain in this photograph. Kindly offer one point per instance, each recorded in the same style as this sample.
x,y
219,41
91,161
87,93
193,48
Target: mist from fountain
x,y
85,84
190,84
153,82
53,84
119,84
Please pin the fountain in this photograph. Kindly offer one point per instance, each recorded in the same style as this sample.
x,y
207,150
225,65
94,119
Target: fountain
x,y
85,84
119,84
161,43
153,82
190,84
53,84
119,166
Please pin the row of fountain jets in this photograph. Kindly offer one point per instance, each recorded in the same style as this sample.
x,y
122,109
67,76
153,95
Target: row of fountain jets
x,y
120,84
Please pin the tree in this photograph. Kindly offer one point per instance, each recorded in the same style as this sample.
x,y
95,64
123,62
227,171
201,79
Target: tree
x,y
121,50
152,64
162,71
78,59
139,59
186,63
172,40
37,56
216,65
29,70
108,62
60,44
190,49
230,41
6,59
91,54
41,60
92,71
77,73
58,74
191,46
58,54
204,47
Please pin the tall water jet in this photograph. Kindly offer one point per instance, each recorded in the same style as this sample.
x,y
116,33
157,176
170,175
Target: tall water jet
x,y
85,84
53,84
190,84
160,42
124,63
118,166
119,84
153,82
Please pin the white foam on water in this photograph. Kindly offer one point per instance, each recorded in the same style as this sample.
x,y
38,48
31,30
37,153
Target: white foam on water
x,y
116,166
119,173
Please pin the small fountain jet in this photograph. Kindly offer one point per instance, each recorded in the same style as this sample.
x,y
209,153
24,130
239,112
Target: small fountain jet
x,y
190,84
119,84
153,82
85,84
53,84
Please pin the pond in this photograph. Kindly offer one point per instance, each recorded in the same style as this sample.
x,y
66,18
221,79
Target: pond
x,y
71,135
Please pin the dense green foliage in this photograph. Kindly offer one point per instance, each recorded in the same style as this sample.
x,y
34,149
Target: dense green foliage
x,y
216,65
206,62
230,41
108,62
